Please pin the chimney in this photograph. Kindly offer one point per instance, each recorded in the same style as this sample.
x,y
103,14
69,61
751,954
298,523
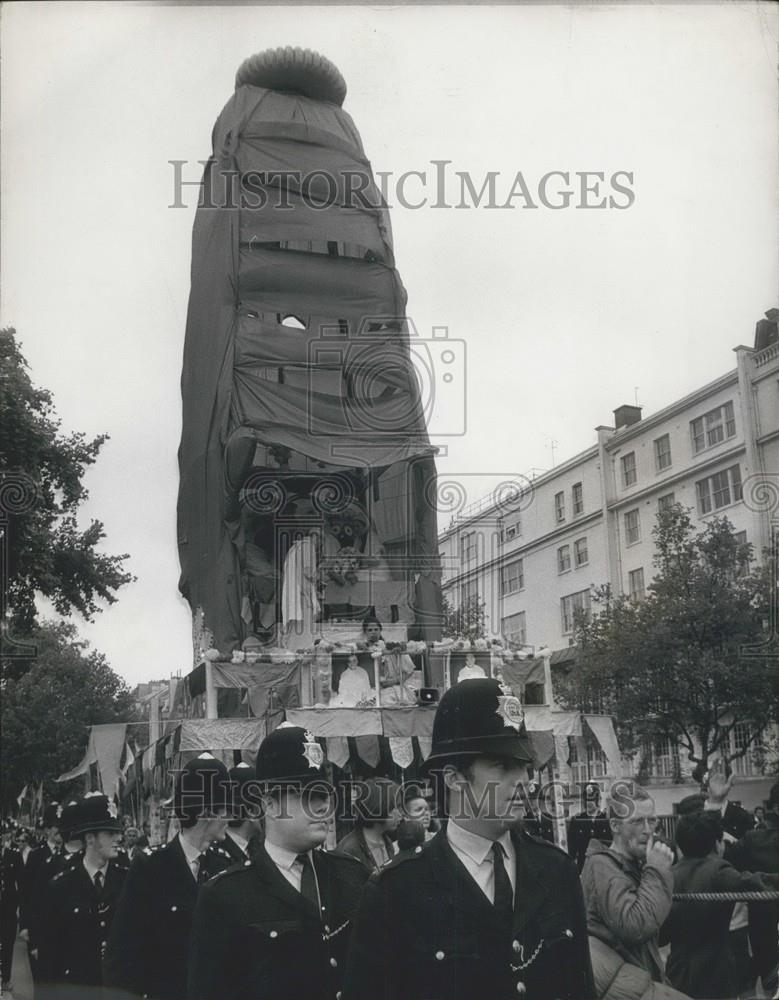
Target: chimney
x,y
626,415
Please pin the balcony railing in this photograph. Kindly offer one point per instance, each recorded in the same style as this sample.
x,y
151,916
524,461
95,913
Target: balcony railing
x,y
767,354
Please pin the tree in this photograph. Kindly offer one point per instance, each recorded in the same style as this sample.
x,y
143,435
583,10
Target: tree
x,y
675,666
466,621
46,713
41,473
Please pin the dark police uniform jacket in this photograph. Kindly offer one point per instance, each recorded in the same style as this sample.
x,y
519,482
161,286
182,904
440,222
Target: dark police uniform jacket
x,y
255,936
38,856
75,931
426,931
36,907
146,953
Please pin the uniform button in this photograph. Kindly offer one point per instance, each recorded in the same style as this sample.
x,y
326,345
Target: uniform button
x,y
516,946
67,972
569,933
274,934
173,909
327,928
102,923
521,989
417,850
338,995
334,963
439,956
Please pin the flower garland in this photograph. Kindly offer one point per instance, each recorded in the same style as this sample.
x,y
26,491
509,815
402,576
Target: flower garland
x,y
378,649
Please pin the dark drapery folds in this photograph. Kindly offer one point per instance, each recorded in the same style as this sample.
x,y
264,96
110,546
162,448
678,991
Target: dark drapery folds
x,y
296,345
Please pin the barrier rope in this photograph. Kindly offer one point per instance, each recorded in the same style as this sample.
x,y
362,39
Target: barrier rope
x,y
726,897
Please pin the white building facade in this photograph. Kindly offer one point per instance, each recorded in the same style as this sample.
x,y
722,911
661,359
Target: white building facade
x,y
588,522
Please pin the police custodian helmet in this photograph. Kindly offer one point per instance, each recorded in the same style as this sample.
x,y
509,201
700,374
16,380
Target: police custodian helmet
x,y
479,716
202,789
96,813
291,757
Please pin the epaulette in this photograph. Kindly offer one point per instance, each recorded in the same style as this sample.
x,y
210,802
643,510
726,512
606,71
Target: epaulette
x,y
235,870
543,842
401,859
344,857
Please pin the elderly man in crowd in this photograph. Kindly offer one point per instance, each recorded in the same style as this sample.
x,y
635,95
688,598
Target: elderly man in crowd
x,y
628,889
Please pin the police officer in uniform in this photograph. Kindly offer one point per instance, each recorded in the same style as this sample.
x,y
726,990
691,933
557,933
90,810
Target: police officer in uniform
x,y
279,926
146,953
244,827
483,910
67,854
37,857
11,876
80,903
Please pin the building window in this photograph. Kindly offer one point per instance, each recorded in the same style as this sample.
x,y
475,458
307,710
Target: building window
x,y
662,453
740,737
580,552
469,593
468,547
514,628
719,490
628,469
663,758
665,502
512,578
713,427
595,766
572,603
563,558
636,585
511,531
577,499
632,527
559,506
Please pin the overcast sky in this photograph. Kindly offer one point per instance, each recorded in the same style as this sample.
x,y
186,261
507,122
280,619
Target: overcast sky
x,y
564,313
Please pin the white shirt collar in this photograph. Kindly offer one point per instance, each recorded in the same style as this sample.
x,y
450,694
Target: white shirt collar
x,y
190,853
476,847
92,870
280,856
242,842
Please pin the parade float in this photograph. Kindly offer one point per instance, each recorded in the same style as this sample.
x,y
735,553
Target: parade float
x,y
308,493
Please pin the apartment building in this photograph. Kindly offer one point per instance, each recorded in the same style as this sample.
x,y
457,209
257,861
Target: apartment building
x,y
588,522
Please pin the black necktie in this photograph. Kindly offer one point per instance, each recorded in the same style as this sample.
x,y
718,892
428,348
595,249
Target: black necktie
x,y
504,897
202,870
99,881
308,881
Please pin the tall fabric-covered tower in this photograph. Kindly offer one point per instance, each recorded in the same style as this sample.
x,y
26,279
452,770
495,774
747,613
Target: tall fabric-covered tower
x,y
302,413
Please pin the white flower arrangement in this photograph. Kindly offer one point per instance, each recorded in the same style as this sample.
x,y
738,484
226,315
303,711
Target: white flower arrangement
x,y
212,655
238,656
